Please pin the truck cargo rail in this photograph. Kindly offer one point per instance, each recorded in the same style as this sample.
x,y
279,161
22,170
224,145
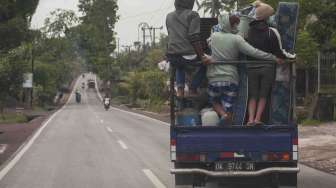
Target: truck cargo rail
x,y
236,173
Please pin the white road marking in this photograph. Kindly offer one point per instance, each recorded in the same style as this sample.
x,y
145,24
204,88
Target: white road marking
x,y
132,113
109,129
122,144
155,180
3,148
24,148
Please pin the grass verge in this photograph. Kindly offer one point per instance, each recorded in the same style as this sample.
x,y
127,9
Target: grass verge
x,y
310,122
12,118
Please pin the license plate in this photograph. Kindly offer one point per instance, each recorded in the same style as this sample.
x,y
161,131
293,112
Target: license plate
x,y
234,166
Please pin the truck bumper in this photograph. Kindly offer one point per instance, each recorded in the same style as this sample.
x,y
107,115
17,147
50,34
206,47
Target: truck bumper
x,y
236,173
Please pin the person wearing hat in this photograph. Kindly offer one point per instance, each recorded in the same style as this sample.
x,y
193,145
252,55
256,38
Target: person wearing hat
x,y
184,43
224,79
261,76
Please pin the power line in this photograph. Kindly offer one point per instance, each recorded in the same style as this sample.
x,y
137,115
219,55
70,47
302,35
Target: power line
x,y
169,6
163,4
140,14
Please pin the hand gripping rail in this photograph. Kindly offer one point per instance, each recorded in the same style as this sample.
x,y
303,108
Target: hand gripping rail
x,y
236,173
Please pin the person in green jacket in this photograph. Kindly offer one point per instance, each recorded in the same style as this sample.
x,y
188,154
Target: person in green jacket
x,y
226,45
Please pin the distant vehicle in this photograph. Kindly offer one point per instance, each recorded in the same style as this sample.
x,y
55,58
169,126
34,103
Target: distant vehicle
x,y
91,84
78,97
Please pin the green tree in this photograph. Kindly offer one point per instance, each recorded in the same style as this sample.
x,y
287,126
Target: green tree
x,y
324,28
60,22
306,49
12,67
15,17
56,54
97,35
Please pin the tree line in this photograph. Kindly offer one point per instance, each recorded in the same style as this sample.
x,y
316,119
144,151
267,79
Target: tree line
x,y
65,46
68,44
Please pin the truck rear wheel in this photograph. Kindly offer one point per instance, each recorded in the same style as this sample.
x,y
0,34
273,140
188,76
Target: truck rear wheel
x,y
275,182
288,180
183,180
187,180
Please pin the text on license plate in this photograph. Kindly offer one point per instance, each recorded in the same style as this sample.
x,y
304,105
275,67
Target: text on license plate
x,y
234,166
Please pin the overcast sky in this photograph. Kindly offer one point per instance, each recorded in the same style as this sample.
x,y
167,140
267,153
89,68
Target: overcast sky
x,y
132,12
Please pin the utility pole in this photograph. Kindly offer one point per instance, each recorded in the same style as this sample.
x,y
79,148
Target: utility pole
x,y
128,48
144,37
118,45
154,29
144,27
32,69
213,8
137,45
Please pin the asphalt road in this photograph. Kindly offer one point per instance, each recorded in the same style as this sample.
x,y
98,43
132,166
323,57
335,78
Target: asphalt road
x,y
84,146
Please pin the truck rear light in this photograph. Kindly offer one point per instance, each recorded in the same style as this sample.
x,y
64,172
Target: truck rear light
x,y
284,156
227,155
188,157
295,142
295,148
173,149
173,156
173,145
173,142
295,156
203,157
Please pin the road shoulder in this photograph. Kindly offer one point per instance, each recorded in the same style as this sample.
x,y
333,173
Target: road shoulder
x,y
318,146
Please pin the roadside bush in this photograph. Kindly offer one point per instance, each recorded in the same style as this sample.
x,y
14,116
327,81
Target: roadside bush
x,y
154,84
148,86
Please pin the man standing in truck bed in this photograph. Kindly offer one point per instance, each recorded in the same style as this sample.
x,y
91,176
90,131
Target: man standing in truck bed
x,y
184,43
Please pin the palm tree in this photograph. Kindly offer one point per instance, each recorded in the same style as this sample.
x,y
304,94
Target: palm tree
x,y
215,7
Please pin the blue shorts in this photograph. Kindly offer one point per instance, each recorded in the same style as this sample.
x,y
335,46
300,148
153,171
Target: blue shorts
x,y
224,93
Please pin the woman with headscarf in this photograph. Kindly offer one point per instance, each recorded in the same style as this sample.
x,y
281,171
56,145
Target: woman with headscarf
x,y
224,79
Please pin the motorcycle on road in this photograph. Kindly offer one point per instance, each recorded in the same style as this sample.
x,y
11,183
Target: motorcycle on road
x,y
107,103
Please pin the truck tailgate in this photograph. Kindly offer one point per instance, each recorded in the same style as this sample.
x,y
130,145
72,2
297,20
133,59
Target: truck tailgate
x,y
234,139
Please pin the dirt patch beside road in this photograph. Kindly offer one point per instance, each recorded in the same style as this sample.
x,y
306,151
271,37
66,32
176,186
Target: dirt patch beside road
x,y
14,135
318,146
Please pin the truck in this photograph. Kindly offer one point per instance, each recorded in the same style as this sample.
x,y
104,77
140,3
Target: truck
x,y
233,155
265,155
